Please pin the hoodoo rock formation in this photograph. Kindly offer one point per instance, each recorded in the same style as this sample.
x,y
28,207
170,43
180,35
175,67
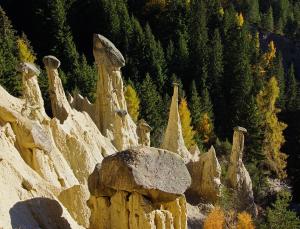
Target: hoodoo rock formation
x,y
173,139
238,176
134,189
110,110
65,172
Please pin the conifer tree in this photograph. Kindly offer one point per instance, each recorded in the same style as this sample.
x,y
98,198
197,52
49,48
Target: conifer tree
x,y
8,56
154,59
291,90
87,78
198,42
273,128
278,71
64,47
152,109
253,14
268,20
186,123
215,80
195,104
133,102
134,66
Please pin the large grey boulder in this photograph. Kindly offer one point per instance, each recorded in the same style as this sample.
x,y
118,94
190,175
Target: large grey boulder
x,y
158,174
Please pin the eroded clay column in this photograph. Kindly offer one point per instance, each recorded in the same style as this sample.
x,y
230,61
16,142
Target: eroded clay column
x,y
34,103
143,132
110,114
236,155
59,103
173,139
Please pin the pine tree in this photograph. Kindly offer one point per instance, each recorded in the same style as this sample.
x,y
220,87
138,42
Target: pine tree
x,y
279,216
273,128
152,109
133,102
87,78
154,59
238,76
198,42
8,56
268,20
252,11
134,67
186,123
278,71
215,81
195,104
64,47
291,90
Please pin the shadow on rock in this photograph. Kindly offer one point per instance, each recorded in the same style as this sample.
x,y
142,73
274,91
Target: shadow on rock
x,y
38,213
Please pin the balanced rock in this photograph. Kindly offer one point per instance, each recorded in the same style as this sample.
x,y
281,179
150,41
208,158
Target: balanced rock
x,y
139,188
158,174
205,173
238,177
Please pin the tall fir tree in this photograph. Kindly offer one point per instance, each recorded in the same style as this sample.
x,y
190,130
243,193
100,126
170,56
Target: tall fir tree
x,y
152,109
215,80
198,42
154,59
268,20
291,90
64,47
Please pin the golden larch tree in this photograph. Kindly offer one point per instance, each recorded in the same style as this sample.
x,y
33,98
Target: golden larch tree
x,y
186,120
215,219
25,54
239,19
273,128
245,221
205,127
133,102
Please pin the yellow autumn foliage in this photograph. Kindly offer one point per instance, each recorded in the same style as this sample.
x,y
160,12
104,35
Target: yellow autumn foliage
x,y
245,221
205,127
239,19
273,128
186,120
215,220
133,102
25,53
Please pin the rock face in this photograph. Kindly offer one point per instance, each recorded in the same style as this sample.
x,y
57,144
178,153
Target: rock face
x,y
110,110
173,139
134,189
238,177
61,153
205,173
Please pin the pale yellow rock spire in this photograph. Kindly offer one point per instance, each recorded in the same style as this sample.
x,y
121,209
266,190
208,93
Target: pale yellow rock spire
x,y
173,139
